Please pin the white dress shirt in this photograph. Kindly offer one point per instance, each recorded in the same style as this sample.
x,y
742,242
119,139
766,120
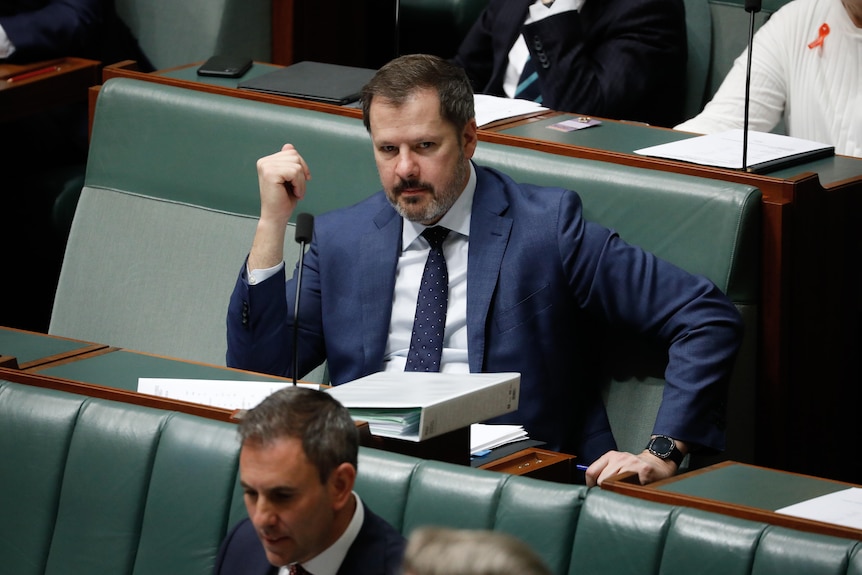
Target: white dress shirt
x,y
6,46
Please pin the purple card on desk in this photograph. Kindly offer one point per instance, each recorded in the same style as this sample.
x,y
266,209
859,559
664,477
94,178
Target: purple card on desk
x,y
573,124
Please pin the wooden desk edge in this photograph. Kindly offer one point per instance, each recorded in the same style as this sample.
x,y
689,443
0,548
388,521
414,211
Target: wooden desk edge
x,y
128,69
114,394
86,347
536,462
627,484
438,448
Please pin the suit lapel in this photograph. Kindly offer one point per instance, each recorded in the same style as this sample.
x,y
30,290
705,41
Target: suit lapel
x,y
378,256
489,235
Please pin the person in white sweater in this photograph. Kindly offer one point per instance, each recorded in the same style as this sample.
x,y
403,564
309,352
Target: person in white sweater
x,y
807,68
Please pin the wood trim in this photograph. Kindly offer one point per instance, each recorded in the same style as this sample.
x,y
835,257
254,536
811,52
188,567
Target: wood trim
x,y
627,484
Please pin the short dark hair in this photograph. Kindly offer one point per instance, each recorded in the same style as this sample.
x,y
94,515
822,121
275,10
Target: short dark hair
x,y
403,76
328,433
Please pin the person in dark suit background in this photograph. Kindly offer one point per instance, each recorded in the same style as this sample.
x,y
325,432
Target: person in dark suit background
x,y
33,30
538,278
298,464
618,59
43,155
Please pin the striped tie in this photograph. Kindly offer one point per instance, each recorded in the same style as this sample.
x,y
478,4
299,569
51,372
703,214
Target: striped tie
x,y
529,87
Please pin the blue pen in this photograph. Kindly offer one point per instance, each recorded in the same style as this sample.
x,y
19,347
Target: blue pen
x,y
581,467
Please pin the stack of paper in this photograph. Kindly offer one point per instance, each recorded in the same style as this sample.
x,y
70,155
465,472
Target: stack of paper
x,y
490,109
765,150
484,436
214,392
389,422
443,402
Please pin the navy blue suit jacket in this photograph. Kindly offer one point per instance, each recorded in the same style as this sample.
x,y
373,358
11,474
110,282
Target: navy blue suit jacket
x,y
538,280
620,59
377,550
43,29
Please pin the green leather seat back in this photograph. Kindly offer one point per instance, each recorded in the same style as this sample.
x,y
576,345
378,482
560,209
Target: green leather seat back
x,y
32,472
96,486
626,535
170,205
410,492
198,148
383,482
92,486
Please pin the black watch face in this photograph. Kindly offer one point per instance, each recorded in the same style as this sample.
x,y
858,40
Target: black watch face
x,y
662,446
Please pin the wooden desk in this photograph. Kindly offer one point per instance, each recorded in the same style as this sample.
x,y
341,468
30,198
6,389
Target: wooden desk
x,y
811,304
31,88
741,490
112,373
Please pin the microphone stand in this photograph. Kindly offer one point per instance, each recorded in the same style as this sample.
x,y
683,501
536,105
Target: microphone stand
x,y
397,28
752,7
304,228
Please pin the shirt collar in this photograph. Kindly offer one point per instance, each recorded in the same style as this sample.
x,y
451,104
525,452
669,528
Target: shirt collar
x,y
328,562
456,219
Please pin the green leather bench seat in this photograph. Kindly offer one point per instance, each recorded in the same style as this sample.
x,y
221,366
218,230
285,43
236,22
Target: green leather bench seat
x,y
170,202
93,486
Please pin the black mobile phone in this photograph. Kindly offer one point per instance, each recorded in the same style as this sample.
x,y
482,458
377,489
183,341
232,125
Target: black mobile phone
x,y
225,66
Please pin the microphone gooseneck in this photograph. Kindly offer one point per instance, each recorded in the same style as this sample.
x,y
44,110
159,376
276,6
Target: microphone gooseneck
x,y
304,232
752,7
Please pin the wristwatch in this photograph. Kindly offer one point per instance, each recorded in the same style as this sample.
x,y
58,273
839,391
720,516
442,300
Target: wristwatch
x,y
664,447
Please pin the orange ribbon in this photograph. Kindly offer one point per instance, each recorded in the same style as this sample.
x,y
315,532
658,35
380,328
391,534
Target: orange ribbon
x,y
821,35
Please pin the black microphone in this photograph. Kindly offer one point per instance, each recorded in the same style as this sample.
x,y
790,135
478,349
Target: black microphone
x,y
752,7
304,231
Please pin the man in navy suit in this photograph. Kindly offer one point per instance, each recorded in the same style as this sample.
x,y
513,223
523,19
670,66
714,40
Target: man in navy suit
x,y
538,276
297,466
620,59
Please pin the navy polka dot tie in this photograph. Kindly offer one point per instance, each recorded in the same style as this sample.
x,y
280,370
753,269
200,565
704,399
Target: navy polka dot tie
x,y
426,344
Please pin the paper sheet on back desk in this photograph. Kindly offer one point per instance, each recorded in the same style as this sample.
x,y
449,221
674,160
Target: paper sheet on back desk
x,y
841,508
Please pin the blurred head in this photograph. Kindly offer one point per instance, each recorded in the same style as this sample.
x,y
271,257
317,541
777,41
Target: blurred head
x,y
419,112
441,551
297,468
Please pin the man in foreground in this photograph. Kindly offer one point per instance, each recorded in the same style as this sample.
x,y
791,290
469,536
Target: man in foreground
x,y
525,274
297,468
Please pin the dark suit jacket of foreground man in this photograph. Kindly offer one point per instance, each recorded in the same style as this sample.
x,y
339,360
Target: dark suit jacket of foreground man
x,y
377,550
538,277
